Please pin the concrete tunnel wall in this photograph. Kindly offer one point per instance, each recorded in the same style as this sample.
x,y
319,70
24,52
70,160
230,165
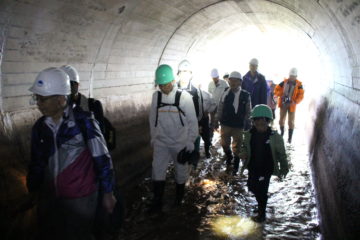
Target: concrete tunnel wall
x,y
117,44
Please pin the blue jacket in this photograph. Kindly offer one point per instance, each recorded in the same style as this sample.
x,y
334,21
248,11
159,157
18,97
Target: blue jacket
x,y
71,162
257,89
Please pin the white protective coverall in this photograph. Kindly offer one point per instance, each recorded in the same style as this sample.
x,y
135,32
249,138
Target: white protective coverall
x,y
217,90
169,137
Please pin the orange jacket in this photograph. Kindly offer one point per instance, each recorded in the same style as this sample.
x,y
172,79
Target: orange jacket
x,y
297,96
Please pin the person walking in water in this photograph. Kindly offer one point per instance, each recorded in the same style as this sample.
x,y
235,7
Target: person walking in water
x,y
234,108
264,155
290,93
173,130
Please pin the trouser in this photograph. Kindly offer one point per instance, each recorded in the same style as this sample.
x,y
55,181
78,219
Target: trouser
x,y
71,219
196,157
273,112
212,125
259,185
237,136
205,131
162,156
285,110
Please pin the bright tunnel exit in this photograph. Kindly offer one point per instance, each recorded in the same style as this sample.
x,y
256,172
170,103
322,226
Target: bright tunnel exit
x,y
278,49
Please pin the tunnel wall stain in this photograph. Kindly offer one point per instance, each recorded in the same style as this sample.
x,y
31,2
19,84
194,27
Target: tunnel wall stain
x,y
335,160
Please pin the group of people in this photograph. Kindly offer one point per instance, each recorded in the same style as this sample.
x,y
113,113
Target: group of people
x,y
71,176
243,108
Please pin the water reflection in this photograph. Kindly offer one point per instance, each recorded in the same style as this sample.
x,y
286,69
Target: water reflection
x,y
235,227
218,205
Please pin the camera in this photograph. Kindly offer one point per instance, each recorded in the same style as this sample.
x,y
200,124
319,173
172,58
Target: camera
x,y
287,100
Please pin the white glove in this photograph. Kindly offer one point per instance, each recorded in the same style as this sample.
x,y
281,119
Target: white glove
x,y
190,147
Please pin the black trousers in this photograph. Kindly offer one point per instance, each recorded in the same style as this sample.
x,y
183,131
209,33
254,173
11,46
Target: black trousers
x,y
259,185
205,131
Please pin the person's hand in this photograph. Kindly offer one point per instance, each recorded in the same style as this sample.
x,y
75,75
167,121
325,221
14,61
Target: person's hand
x,y
109,202
190,147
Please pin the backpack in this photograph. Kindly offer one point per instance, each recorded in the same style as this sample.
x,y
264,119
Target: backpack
x,y
175,104
107,129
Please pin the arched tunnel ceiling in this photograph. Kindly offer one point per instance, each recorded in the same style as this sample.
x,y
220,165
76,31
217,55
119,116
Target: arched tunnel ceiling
x,y
117,50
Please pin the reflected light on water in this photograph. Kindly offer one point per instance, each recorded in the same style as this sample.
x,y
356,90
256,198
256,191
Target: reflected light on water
x,y
235,227
208,185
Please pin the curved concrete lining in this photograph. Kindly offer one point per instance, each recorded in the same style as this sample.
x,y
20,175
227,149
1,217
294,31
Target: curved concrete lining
x,y
117,44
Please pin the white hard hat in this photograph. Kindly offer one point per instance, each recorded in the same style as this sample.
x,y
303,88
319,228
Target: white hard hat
x,y
293,72
72,72
185,65
254,61
235,75
214,73
51,81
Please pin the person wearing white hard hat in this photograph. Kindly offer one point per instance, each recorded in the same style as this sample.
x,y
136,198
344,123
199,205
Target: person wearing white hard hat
x,y
290,93
203,103
78,99
233,110
226,77
216,87
69,162
254,82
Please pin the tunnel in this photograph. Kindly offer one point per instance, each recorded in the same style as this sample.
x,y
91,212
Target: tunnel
x,y
116,45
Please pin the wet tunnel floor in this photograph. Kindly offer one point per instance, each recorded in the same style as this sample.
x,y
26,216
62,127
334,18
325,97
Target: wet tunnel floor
x,y
218,205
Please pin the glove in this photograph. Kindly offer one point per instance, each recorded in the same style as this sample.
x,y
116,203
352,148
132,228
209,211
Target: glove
x,y
190,147
183,156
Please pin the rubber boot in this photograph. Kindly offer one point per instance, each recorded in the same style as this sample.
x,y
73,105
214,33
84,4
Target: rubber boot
x,y
236,165
229,157
261,216
291,131
180,191
282,131
158,189
207,151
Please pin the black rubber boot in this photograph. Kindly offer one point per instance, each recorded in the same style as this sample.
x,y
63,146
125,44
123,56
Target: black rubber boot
x,y
282,131
291,131
261,216
158,189
195,159
229,157
207,151
236,165
180,191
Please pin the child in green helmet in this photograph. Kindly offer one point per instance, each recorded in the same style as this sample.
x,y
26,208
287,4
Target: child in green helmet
x,y
264,155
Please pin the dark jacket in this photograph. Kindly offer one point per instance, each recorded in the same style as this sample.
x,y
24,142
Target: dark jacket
x,y
277,146
257,89
226,111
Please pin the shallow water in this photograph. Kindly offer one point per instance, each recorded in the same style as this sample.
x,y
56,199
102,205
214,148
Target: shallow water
x,y
218,205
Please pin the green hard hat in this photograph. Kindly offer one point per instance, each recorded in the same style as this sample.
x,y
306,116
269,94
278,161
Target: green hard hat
x,y
262,110
164,74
